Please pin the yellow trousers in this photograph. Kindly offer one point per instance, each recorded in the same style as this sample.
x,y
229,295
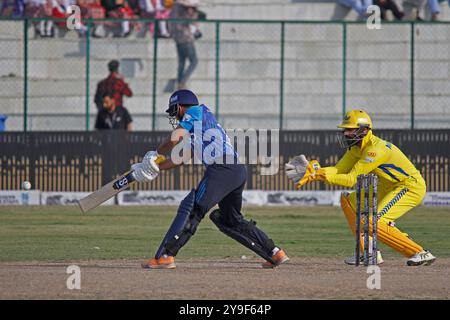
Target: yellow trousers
x,y
394,200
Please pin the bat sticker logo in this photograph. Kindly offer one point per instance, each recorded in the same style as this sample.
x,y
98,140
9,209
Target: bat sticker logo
x,y
121,183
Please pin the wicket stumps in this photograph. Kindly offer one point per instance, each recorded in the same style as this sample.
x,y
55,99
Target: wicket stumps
x,y
366,183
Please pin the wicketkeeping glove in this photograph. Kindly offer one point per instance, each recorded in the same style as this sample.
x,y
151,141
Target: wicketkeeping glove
x,y
313,173
296,168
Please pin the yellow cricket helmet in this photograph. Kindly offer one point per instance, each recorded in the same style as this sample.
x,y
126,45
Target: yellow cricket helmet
x,y
355,119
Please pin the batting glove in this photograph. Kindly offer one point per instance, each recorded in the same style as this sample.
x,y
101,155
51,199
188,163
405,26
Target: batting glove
x,y
149,162
141,174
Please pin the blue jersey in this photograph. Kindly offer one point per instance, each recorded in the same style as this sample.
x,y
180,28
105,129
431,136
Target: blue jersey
x,y
209,141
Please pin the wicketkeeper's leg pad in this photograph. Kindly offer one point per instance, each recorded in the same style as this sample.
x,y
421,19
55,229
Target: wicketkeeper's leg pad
x,y
387,232
350,215
183,226
246,233
348,210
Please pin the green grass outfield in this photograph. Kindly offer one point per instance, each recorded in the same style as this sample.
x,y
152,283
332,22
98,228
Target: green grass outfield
x,y
56,233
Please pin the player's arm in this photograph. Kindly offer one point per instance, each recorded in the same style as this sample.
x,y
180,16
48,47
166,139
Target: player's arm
x,y
344,165
149,166
170,143
166,147
365,165
302,171
185,126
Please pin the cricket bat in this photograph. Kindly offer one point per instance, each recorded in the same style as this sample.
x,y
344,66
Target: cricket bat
x,y
109,190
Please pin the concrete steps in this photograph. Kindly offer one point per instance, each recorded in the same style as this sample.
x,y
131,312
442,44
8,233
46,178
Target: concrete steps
x,y
284,9
378,71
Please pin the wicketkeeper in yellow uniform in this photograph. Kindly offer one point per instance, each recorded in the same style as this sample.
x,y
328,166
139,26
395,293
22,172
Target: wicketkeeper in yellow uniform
x,y
400,187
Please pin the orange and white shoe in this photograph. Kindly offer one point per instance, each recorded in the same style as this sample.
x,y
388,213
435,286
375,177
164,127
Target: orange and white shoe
x,y
279,258
165,262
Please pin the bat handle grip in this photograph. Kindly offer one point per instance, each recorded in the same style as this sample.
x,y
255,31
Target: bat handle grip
x,y
160,159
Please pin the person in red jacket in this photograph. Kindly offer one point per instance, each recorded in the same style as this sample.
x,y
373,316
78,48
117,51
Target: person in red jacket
x,y
113,83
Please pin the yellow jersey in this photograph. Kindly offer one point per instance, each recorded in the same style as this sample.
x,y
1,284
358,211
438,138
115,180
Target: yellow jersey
x,y
374,156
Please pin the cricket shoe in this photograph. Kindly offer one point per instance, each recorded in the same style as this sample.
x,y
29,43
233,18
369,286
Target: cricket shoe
x,y
165,262
352,260
278,258
424,257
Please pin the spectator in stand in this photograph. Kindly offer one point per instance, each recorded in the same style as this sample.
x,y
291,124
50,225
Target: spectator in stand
x,y
184,35
413,9
435,8
6,8
12,8
92,9
40,9
146,12
134,12
386,5
158,9
115,84
119,9
60,11
134,6
112,116
343,7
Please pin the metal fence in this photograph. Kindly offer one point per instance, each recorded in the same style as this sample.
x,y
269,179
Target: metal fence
x,y
259,74
84,161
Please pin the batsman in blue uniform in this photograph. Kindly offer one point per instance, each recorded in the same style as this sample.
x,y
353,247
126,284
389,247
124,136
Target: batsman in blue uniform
x,y
222,184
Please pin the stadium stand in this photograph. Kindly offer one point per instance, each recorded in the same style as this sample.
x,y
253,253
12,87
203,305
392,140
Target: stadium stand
x,y
378,71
